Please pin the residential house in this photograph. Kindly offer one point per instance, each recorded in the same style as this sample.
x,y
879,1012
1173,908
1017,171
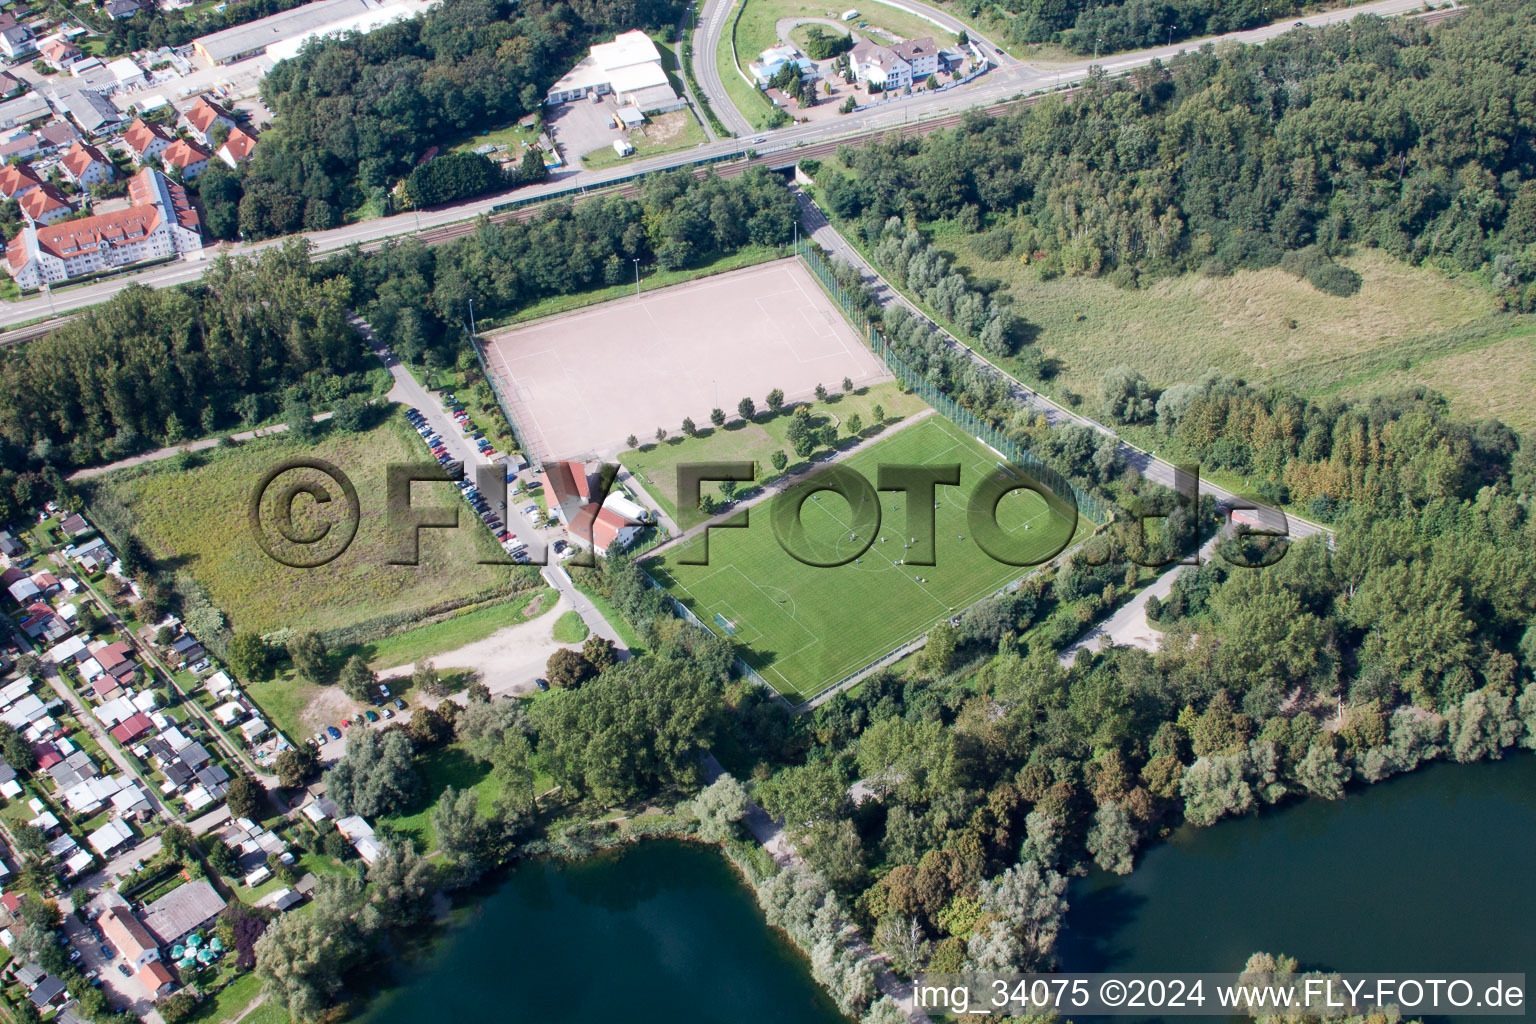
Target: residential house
x,y
59,53
86,166
16,40
157,979
237,148
23,147
195,756
894,67
113,835
202,116
75,525
159,223
146,141
185,648
45,205
16,180
187,157
360,834
57,135
10,85
119,9
132,729
10,547
48,992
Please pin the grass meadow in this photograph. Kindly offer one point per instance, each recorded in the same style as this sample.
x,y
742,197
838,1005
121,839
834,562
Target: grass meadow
x,y
656,464
804,627
195,519
1406,326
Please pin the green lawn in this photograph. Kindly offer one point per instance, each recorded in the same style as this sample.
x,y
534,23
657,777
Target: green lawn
x,y
445,766
662,133
197,520
413,645
569,629
805,627
655,464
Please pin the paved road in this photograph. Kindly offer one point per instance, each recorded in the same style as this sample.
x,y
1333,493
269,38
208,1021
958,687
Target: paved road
x,y
1153,468
1011,80
409,391
714,21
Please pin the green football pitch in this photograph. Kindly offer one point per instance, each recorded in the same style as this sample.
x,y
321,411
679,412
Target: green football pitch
x,y
805,627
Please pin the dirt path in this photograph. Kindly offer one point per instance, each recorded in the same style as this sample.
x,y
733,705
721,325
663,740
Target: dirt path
x,y
510,659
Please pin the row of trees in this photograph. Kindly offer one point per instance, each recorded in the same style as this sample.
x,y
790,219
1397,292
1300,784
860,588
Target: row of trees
x,y
1429,168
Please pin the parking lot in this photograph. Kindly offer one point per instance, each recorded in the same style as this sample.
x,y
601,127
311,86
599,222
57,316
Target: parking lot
x,y
581,127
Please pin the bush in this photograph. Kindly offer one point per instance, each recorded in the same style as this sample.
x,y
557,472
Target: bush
x,y
1334,279
823,45
451,177
994,245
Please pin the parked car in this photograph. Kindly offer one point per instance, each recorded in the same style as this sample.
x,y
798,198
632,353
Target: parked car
x,y
399,703
542,684
334,732
531,510
383,690
106,951
388,713
372,716
346,723
125,970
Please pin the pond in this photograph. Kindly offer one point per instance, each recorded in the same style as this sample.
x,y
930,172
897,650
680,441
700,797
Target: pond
x,y
660,932
1431,871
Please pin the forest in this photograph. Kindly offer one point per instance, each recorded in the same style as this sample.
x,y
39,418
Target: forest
x,y
1086,27
354,115
1368,133
157,366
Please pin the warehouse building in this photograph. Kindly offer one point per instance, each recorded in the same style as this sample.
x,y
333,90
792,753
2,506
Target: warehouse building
x,y
629,67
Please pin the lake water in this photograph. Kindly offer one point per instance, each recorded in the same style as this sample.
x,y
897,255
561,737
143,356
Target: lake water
x,y
659,933
1429,872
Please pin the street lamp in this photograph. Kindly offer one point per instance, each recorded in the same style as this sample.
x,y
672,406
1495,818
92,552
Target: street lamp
x,y
1170,34
1096,43
636,261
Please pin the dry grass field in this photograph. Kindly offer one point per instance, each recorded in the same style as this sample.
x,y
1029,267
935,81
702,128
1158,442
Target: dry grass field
x,y
196,519
1406,325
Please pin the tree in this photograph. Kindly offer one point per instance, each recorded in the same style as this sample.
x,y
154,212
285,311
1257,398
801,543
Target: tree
x,y
746,409
718,808
301,958
400,885
1112,839
1126,396
430,727
779,460
532,169
245,797
1030,899
299,417
661,434
460,831
567,668
776,401
631,442
377,775
249,656
599,652
425,680
847,384
351,414
821,392
939,652
453,176
163,637
358,680
296,765
482,726
510,766
689,429
855,425
309,656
